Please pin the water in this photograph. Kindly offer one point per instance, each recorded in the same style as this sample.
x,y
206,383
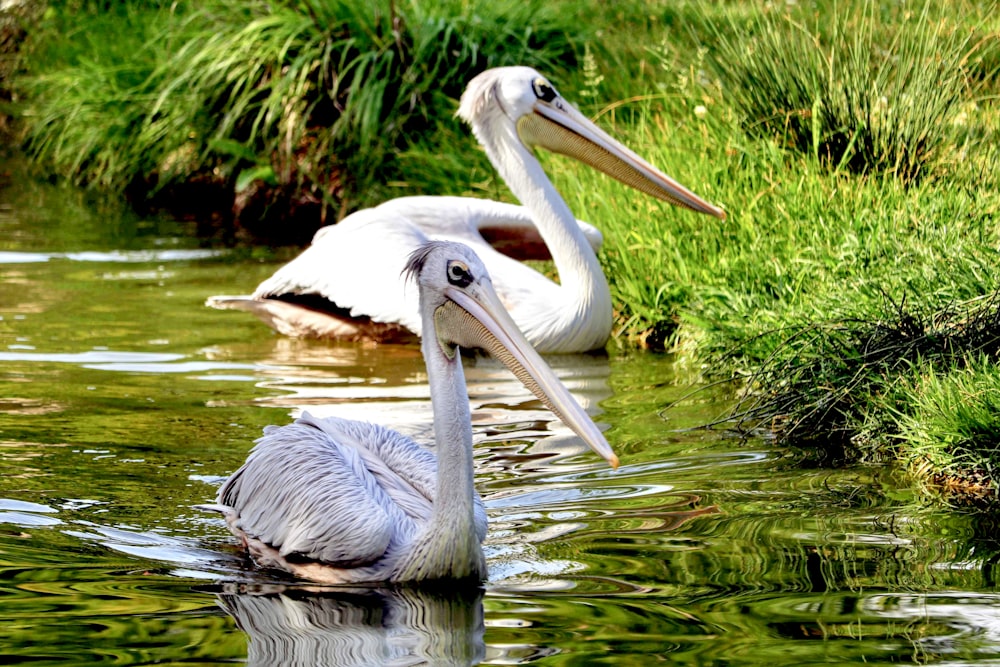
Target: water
x,y
124,403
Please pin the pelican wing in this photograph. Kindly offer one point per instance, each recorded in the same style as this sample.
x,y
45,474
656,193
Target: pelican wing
x,y
316,489
355,266
404,469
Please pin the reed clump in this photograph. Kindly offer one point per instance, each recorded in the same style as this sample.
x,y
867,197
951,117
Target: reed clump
x,y
822,380
280,106
949,429
852,89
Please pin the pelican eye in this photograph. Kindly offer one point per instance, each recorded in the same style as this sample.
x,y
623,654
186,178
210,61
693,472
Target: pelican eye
x,y
543,90
458,274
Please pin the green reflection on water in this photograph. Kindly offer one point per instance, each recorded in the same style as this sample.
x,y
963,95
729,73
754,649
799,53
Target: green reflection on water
x,y
124,402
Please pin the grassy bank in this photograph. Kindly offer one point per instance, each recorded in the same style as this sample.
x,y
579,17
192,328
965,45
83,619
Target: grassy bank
x,y
851,293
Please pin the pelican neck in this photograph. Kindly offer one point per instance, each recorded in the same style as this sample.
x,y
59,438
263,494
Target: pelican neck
x,y
448,547
576,263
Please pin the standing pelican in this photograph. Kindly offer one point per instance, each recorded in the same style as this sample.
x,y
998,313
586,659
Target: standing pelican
x,y
343,285
341,501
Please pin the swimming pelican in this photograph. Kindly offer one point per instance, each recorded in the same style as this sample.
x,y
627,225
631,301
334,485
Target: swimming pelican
x,y
342,501
344,286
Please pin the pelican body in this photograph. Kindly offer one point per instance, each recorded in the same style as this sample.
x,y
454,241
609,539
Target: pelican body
x,y
341,501
342,286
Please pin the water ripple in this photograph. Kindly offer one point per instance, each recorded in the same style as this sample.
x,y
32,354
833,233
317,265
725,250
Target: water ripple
x,y
11,505
91,357
139,362
131,256
27,520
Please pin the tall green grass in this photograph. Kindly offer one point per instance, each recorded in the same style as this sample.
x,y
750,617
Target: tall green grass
x,y
81,108
312,98
831,281
949,427
13,21
799,234
851,90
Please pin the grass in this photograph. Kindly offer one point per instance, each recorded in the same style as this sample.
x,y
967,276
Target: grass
x,y
867,97
949,426
303,103
846,383
840,278
850,296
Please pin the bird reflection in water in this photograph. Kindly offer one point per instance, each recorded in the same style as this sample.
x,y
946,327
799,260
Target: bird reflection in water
x,y
394,626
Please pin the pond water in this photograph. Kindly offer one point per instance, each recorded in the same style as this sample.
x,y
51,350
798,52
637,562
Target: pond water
x,y
124,402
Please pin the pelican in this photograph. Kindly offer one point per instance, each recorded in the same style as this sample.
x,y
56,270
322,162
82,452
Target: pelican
x,y
343,285
341,501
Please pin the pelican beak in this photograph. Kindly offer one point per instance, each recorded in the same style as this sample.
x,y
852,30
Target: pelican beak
x,y
474,317
562,129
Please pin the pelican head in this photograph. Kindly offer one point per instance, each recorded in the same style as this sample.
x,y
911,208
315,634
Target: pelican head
x,y
521,102
458,298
